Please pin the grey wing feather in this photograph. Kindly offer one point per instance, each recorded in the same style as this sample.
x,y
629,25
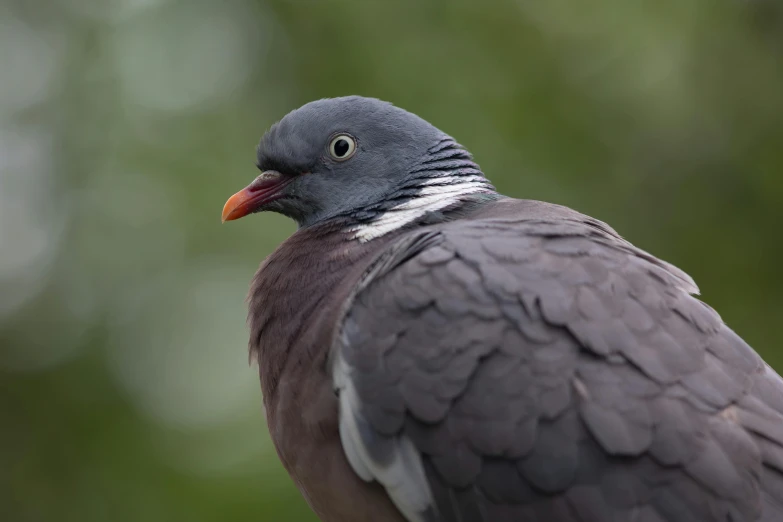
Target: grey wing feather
x,y
550,371
392,461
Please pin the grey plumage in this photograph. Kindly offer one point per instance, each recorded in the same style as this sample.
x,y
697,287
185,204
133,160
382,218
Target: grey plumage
x,y
605,393
431,351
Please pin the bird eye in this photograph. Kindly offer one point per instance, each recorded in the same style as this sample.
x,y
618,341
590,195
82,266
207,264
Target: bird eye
x,y
342,147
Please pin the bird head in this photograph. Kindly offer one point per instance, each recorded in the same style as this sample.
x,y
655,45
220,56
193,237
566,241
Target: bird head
x,y
344,156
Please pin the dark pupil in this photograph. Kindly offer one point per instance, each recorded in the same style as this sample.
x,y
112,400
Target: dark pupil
x,y
341,148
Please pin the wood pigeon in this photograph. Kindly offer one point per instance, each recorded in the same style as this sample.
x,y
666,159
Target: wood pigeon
x,y
432,351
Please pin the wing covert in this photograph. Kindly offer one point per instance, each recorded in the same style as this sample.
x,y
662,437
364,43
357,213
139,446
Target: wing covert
x,y
549,370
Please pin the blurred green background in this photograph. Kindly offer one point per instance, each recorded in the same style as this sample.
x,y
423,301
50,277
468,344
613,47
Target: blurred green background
x,y
125,392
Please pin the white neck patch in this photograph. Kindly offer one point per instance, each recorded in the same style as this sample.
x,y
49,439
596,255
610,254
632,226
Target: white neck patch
x,y
436,194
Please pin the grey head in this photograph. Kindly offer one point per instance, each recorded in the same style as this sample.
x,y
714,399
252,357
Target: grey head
x,y
356,158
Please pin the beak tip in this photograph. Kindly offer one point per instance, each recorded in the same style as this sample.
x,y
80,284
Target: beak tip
x,y
230,209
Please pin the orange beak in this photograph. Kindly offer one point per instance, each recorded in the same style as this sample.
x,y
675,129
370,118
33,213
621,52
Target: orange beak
x,y
264,189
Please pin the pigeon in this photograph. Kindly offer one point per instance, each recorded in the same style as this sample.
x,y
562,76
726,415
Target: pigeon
x,y
430,350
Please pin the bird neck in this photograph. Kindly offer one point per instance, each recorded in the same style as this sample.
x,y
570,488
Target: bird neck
x,y
440,185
